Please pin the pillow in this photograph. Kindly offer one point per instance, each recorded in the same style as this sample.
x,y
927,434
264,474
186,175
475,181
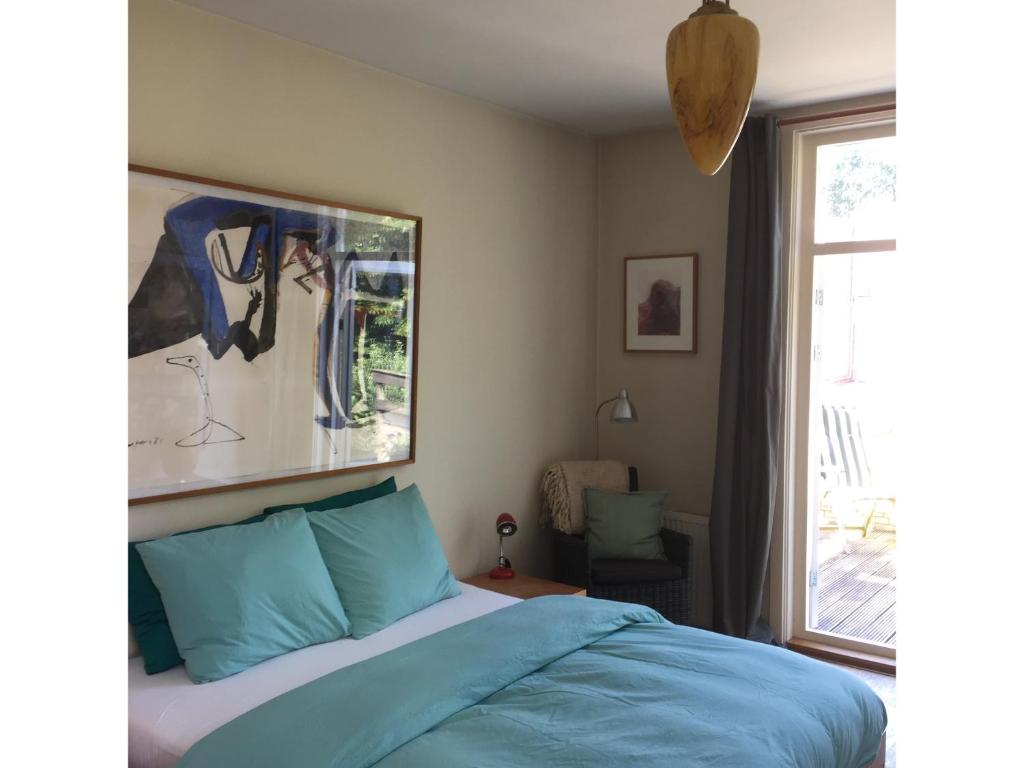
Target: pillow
x,y
347,499
146,609
624,525
384,558
241,594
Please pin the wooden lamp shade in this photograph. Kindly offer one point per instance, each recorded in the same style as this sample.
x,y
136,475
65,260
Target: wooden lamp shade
x,y
711,62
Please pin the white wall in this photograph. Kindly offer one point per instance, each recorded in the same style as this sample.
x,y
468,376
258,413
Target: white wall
x,y
507,358
652,201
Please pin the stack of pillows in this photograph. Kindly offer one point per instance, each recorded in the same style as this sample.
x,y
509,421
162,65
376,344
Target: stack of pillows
x,y
224,598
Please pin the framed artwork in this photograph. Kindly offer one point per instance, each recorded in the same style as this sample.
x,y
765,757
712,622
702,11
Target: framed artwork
x,y
270,336
661,303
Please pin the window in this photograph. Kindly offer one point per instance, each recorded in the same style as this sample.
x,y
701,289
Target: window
x,y
838,575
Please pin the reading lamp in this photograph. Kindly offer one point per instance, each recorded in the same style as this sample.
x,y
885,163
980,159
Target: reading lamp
x,y
622,408
506,525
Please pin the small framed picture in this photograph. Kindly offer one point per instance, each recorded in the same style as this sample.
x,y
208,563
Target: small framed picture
x,y
661,303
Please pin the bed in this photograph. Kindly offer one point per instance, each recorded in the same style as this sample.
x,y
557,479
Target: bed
x,y
482,679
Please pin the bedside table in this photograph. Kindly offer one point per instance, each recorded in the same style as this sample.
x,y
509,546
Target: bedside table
x,y
524,587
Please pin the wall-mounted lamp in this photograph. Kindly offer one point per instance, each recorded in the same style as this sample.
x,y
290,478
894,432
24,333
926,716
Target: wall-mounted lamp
x,y
622,408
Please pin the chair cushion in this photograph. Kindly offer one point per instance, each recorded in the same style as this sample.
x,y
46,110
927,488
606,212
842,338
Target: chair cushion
x,y
609,571
624,525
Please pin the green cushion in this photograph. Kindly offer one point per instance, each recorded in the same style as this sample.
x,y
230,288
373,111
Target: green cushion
x,y
346,499
624,525
146,609
241,594
384,558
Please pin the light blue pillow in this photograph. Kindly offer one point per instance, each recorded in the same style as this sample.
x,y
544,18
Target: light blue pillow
x,y
384,558
239,595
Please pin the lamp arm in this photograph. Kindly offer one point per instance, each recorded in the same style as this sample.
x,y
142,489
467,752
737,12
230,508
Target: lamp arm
x,y
602,405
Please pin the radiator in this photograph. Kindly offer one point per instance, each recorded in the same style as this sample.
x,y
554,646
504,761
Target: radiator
x,y
699,576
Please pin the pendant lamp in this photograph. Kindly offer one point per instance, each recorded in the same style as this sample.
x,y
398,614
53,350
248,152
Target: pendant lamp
x,y
711,61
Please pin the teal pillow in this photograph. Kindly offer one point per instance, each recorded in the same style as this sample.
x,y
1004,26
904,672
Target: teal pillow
x,y
241,594
384,558
146,610
346,499
624,525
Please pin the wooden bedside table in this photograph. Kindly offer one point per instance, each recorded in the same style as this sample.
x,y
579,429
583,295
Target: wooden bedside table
x,y
524,587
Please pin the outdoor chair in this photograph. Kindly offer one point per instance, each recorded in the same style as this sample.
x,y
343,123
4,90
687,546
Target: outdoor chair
x,y
850,500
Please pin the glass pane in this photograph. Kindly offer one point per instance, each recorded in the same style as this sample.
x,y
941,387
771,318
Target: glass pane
x,y
856,191
853,458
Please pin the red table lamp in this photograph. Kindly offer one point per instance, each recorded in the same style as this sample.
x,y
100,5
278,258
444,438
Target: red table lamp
x,y
506,525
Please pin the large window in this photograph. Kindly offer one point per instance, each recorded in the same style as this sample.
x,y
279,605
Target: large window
x,y
840,457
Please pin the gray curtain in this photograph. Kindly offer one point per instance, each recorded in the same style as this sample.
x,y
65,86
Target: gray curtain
x,y
749,395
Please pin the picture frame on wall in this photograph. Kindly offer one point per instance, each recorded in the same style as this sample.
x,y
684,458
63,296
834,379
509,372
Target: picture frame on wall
x,y
271,336
660,303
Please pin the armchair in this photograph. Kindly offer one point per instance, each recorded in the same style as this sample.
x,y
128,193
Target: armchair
x,y
659,584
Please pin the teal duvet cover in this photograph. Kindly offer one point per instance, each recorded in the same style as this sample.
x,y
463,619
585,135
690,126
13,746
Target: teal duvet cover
x,y
563,681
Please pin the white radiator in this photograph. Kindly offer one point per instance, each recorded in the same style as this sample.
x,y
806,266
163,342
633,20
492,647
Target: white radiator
x,y
699,576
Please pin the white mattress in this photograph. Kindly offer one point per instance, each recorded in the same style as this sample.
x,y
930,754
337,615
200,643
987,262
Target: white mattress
x,y
168,713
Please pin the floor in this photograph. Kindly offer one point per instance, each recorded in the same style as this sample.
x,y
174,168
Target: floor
x,y
857,587
885,687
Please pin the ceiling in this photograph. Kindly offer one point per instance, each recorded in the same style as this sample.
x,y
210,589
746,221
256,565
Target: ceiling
x,y
593,65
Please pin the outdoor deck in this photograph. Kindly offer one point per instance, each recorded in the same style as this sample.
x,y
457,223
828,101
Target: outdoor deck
x,y
857,588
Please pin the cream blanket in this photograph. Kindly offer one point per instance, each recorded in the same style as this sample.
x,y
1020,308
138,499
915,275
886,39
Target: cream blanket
x,y
562,490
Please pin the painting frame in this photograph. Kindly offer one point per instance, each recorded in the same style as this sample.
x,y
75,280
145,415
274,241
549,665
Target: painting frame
x,y
138,496
647,330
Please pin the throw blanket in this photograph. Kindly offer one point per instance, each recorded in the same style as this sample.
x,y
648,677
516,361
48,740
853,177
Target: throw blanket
x,y
563,681
562,490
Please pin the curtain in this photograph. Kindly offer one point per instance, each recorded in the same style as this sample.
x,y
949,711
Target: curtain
x,y
749,403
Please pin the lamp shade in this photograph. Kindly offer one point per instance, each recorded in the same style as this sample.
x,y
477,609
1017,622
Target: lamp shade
x,y
711,64
506,524
623,408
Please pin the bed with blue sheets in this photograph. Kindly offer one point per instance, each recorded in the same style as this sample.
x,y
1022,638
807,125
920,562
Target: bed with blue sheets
x,y
562,681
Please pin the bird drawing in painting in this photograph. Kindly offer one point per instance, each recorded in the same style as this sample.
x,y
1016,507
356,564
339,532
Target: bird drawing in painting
x,y
211,431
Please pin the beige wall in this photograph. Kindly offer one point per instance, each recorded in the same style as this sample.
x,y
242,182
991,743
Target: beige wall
x,y
652,201
507,359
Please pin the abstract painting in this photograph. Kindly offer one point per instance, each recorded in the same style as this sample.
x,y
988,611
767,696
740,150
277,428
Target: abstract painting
x,y
661,303
270,336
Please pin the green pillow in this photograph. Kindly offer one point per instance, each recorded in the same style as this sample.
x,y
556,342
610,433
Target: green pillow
x,y
241,594
384,558
624,525
346,499
146,609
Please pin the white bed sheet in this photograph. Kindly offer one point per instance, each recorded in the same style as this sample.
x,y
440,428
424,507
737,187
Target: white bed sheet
x,y
168,713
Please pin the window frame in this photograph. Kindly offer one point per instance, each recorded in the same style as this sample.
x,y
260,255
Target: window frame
x,y
787,587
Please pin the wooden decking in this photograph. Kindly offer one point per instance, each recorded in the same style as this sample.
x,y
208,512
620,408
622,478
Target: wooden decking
x,y
857,590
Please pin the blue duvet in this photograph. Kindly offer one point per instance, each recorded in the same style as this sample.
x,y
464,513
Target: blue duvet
x,y
559,682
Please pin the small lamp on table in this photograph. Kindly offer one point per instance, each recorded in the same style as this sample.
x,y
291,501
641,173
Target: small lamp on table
x,y
506,525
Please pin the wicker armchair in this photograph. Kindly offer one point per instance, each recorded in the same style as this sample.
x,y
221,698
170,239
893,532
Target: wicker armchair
x,y
659,584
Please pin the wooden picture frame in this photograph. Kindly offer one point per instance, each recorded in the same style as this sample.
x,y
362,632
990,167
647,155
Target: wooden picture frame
x,y
660,303
271,336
